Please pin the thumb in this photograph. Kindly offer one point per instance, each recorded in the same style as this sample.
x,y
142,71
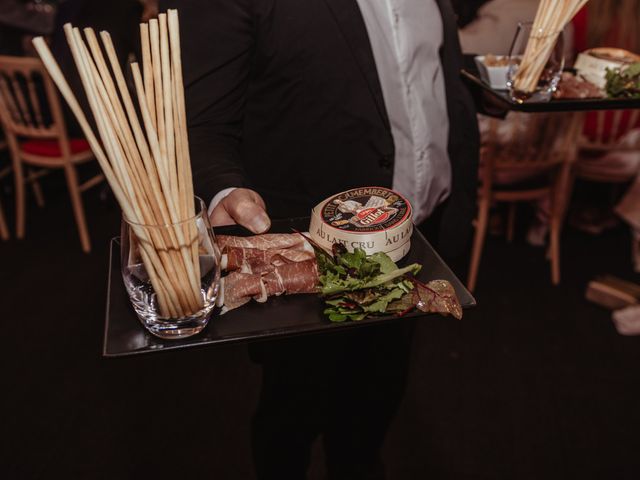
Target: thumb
x,y
247,208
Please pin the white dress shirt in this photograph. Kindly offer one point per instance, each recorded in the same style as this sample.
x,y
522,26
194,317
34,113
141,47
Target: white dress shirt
x,y
405,37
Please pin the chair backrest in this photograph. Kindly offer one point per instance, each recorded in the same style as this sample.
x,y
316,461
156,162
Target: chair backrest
x,y
604,129
29,103
528,140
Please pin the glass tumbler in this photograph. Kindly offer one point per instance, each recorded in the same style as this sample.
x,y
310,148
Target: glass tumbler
x,y
171,273
541,54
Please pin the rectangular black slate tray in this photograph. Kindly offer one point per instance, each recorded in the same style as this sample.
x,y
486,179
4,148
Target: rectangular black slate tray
x,y
278,317
559,105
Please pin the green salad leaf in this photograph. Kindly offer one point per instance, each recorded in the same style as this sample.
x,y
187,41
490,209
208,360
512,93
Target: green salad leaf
x,y
623,82
355,285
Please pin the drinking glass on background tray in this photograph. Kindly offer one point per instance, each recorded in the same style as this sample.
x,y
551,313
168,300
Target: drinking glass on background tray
x,y
171,273
551,44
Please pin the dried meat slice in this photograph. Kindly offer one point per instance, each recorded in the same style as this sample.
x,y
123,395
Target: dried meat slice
x,y
239,257
266,265
266,241
299,277
239,287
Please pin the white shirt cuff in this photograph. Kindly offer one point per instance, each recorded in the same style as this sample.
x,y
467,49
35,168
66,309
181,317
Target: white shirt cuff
x,y
218,198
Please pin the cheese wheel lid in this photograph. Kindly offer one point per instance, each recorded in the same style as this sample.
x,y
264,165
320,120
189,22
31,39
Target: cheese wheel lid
x,y
365,210
374,219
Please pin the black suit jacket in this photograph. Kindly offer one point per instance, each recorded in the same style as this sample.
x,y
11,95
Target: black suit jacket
x,y
283,97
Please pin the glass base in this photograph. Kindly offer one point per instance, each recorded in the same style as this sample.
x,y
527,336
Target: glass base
x,y
536,96
144,302
175,329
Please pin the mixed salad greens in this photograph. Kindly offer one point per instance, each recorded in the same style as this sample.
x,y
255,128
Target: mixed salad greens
x,y
355,285
624,82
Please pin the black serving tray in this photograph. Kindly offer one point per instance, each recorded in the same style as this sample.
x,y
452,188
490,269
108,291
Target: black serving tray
x,y
503,98
278,317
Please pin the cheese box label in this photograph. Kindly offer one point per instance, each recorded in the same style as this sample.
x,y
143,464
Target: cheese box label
x,y
374,219
366,209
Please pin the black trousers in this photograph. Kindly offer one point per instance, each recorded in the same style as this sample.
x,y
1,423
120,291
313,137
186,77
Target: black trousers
x,y
345,386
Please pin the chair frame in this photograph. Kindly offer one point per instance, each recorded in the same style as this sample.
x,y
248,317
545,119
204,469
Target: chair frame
x,y
548,147
607,142
22,117
604,144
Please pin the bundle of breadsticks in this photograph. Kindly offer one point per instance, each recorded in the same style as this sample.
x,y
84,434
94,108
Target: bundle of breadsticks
x,y
551,18
145,162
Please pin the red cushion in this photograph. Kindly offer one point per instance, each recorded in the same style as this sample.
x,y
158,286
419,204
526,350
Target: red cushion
x,y
580,24
591,125
51,148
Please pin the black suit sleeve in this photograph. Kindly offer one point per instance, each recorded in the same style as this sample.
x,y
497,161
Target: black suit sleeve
x,y
217,42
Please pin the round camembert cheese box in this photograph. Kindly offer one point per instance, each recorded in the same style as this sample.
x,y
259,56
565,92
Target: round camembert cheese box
x,y
374,219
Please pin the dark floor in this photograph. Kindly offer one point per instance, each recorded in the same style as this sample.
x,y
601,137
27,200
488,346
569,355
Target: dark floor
x,y
533,384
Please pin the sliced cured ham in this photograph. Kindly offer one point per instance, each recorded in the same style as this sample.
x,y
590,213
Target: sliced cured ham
x,y
239,288
267,241
265,265
299,277
237,257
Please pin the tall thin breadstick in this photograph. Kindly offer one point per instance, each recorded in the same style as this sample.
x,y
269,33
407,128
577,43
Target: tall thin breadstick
x,y
169,140
156,63
144,155
119,183
128,160
147,70
137,76
184,162
551,18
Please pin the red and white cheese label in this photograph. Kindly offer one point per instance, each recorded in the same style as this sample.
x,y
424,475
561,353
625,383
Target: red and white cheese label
x,y
374,219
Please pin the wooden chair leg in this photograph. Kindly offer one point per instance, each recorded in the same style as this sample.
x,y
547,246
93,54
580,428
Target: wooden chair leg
x,y
78,208
511,221
555,227
18,175
560,198
4,229
478,242
37,191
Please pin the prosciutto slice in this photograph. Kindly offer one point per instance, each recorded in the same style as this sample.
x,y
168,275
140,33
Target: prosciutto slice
x,y
267,241
237,257
262,267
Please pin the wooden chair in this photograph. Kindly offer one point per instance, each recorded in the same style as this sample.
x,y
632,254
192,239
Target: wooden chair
x,y
606,139
538,155
32,117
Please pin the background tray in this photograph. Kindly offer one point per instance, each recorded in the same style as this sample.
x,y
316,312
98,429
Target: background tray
x,y
287,315
560,105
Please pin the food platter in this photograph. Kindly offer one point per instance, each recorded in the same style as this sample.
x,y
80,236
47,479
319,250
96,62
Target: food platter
x,y
279,317
556,105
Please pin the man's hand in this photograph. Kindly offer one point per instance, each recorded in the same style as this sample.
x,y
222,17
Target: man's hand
x,y
243,207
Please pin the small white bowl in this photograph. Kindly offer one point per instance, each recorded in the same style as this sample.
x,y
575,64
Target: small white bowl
x,y
495,77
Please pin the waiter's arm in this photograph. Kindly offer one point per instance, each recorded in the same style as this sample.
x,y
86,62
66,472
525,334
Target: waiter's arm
x,y
217,43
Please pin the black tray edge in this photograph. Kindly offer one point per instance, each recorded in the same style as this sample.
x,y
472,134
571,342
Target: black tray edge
x,y
556,105
108,308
